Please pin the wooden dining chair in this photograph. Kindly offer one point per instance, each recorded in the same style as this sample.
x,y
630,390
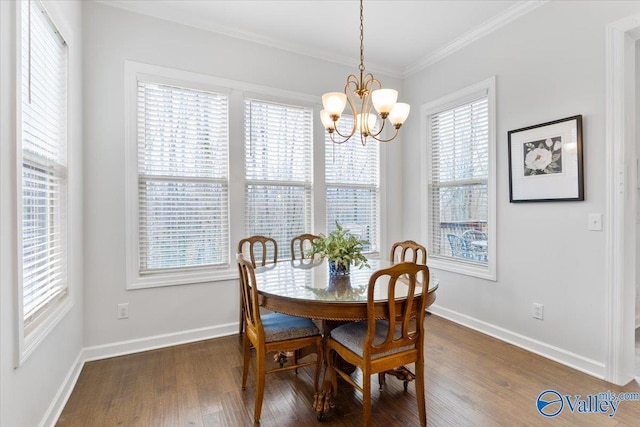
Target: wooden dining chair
x,y
273,333
261,250
378,345
408,251
301,244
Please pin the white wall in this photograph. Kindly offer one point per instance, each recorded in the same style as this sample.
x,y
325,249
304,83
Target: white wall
x,y
637,72
549,64
28,394
189,311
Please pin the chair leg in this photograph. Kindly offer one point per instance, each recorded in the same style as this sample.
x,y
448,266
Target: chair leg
x,y
366,397
422,410
260,374
381,379
247,359
241,326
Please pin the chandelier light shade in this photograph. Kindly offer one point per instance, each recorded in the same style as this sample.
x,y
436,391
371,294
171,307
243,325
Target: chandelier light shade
x,y
363,94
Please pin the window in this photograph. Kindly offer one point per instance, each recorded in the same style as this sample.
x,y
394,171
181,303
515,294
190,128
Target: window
x,y
460,192
192,192
278,164
42,164
179,194
353,186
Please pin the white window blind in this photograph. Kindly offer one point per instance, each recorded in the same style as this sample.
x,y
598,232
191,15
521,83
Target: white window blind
x,y
459,139
182,178
43,150
353,185
278,162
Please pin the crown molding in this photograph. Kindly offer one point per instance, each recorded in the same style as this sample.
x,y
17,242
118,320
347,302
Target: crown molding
x,y
488,27
203,24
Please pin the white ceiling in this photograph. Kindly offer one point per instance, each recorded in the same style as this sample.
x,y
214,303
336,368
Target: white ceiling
x,y
400,36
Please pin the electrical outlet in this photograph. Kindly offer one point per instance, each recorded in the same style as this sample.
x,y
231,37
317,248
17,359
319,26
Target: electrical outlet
x,y
123,310
538,311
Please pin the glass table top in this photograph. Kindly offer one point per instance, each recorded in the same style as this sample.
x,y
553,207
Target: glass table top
x,y
303,280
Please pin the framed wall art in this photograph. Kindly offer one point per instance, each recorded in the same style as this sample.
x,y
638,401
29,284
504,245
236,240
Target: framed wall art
x,y
545,162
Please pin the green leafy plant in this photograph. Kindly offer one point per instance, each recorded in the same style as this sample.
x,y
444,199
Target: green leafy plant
x,y
341,247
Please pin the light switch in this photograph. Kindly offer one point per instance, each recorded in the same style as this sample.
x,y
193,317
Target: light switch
x,y
595,222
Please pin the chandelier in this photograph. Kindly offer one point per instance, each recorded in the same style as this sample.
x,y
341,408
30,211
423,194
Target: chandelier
x,y
371,96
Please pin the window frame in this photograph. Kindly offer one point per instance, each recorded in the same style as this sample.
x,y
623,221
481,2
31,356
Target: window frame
x,y
237,91
307,184
377,188
135,72
30,335
457,98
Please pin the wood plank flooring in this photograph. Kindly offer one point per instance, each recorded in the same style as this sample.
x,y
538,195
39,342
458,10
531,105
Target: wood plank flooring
x,y
471,380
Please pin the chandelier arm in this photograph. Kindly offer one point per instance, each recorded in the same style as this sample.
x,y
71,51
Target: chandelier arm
x,y
338,141
370,84
386,140
369,81
366,108
351,100
352,80
383,121
364,120
336,131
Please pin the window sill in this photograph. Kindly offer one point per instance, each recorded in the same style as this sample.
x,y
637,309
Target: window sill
x,y
181,277
36,332
479,270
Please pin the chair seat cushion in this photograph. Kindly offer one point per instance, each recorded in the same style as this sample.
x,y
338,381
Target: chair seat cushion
x,y
352,336
280,327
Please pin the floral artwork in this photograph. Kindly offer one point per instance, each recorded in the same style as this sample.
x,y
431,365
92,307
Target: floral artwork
x,y
545,162
543,156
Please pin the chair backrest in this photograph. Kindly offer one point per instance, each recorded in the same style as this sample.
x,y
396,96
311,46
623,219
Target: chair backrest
x,y
259,249
301,244
402,332
249,295
459,247
408,251
474,236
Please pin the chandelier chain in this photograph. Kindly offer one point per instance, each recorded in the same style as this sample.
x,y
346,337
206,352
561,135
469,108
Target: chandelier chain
x,y
371,96
361,38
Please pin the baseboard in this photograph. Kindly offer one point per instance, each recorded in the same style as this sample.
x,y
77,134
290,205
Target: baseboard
x,y
572,360
158,341
60,400
122,348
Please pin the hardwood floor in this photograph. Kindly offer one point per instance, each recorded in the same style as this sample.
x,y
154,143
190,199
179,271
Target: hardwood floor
x,y
471,380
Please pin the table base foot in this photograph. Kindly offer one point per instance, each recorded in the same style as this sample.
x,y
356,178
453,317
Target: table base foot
x,y
282,358
401,373
323,401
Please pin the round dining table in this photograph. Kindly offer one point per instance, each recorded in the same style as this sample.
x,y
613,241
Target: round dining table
x,y
304,288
